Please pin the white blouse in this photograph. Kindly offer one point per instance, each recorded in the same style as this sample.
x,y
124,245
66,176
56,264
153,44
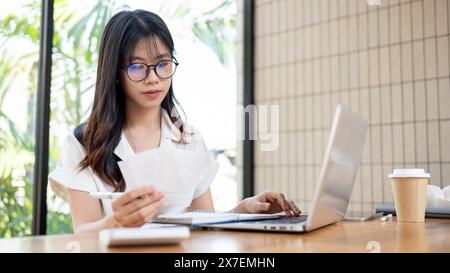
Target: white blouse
x,y
67,175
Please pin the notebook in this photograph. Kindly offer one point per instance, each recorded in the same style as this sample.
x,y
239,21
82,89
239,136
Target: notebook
x,y
211,217
430,212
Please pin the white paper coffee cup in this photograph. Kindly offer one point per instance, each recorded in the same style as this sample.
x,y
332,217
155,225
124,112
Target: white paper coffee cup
x,y
409,187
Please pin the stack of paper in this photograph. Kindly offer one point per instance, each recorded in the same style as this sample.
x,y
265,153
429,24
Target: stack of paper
x,y
172,171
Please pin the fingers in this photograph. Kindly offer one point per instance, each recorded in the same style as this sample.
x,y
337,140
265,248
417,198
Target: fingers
x,y
137,206
294,208
279,199
131,195
283,203
143,215
262,206
139,203
151,215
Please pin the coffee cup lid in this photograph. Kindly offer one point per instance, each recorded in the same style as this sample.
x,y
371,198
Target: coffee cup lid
x,y
420,173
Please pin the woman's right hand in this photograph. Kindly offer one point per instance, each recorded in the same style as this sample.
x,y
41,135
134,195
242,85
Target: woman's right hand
x,y
136,207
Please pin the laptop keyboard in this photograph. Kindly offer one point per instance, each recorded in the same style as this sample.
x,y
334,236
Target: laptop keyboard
x,y
286,220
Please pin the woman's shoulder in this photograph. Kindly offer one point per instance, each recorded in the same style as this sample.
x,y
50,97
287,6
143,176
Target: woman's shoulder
x,y
72,146
180,131
188,138
193,135
190,133
79,131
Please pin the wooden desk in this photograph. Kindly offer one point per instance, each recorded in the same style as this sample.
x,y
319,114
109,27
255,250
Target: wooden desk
x,y
391,236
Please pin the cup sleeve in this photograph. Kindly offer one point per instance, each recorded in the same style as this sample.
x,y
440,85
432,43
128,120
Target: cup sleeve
x,y
67,174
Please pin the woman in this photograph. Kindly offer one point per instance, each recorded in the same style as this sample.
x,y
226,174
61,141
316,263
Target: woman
x,y
134,110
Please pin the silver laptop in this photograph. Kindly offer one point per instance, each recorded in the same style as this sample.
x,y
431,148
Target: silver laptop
x,y
339,168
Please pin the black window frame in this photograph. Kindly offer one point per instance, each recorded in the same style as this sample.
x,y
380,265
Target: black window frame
x,y
39,226
248,56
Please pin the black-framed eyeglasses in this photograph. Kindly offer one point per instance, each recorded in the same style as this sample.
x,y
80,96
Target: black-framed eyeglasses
x,y
164,69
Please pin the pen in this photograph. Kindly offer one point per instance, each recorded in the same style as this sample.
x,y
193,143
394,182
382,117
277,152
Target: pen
x,y
386,218
105,195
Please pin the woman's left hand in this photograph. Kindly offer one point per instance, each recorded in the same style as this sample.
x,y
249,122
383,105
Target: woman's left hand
x,y
268,202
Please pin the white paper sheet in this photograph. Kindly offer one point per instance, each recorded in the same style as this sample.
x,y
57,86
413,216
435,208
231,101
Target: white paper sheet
x,y
173,171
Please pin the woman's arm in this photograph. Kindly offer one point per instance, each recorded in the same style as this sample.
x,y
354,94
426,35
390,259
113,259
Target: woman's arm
x,y
132,209
87,213
266,202
203,202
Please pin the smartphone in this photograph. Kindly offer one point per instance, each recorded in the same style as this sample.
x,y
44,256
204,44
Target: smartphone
x,y
361,216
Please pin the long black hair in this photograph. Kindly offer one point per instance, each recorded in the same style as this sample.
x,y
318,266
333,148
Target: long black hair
x,y
102,131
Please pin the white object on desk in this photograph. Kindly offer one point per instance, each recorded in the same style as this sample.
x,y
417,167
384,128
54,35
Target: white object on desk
x,y
386,218
212,217
140,236
437,197
159,225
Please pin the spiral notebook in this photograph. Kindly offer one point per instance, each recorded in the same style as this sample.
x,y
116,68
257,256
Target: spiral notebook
x,y
212,217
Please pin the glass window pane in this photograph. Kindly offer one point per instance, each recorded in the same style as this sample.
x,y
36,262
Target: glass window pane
x,y
19,48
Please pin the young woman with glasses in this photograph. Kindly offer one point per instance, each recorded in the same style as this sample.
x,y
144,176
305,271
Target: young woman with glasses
x,y
134,110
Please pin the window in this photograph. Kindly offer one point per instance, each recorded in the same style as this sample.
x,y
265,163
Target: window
x,y
19,48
